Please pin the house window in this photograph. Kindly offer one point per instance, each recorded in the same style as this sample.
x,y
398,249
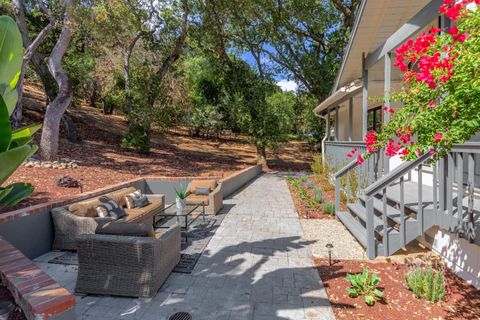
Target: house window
x,y
375,119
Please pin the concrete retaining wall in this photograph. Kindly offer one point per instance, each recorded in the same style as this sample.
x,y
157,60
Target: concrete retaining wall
x,y
30,229
237,180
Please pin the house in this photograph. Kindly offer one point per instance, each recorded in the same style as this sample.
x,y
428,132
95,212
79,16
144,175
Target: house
x,y
392,203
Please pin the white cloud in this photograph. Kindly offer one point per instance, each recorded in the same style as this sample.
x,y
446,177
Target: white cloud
x,y
288,85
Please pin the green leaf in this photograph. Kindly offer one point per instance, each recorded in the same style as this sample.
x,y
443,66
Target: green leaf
x,y
5,129
13,158
4,192
369,300
375,279
24,135
10,98
378,293
18,192
11,52
352,292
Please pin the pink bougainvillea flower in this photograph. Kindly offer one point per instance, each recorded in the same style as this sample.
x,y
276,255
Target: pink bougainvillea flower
x,y
438,137
352,153
432,104
360,159
370,141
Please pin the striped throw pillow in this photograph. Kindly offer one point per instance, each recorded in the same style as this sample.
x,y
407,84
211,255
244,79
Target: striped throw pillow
x,y
131,198
110,208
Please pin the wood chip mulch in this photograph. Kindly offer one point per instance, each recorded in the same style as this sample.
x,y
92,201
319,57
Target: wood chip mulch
x,y
462,301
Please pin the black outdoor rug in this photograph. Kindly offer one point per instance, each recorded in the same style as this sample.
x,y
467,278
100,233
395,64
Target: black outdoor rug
x,y
199,235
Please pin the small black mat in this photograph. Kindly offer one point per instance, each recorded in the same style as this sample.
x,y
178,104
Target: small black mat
x,y
199,234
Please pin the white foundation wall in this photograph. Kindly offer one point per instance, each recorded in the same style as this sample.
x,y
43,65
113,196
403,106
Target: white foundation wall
x,y
459,255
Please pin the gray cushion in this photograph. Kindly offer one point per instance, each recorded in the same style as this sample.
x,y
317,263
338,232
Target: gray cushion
x,y
141,202
112,207
202,191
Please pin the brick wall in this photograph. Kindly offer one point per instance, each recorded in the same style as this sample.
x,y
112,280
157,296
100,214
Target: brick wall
x,y
39,296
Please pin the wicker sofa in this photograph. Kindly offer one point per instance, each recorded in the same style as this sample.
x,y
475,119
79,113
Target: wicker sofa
x,y
80,218
124,265
213,201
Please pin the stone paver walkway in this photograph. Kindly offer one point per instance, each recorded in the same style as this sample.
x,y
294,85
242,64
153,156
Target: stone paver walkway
x,y
256,267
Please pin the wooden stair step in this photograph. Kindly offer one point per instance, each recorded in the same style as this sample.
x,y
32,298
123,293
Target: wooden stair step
x,y
354,226
359,210
392,213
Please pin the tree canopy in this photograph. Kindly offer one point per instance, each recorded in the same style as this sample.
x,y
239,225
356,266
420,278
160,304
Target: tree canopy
x,y
209,65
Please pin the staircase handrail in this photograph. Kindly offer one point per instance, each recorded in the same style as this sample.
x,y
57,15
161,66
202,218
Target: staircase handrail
x,y
395,174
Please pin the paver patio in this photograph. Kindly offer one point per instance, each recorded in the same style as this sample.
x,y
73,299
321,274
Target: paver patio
x,y
256,266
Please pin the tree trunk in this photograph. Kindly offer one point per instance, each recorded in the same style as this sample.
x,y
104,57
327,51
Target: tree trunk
x,y
70,128
126,69
56,108
30,53
262,157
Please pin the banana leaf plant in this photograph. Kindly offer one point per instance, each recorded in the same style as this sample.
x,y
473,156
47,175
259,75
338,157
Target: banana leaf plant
x,y
14,144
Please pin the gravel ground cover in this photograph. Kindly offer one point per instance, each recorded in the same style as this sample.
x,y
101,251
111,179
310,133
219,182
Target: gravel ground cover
x,y
322,231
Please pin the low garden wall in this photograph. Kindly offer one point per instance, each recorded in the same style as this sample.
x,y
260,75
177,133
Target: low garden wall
x,y
30,229
233,183
38,294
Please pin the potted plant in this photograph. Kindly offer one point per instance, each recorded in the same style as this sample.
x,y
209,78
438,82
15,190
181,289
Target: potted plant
x,y
181,195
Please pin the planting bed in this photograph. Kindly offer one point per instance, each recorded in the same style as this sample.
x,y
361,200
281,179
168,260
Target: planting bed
x,y
305,206
462,301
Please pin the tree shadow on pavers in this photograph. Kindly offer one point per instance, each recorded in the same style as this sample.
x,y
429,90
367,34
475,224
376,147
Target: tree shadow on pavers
x,y
271,279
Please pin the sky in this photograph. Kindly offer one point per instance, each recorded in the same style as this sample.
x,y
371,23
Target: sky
x,y
284,83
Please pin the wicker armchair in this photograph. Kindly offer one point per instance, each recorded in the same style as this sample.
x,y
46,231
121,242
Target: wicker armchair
x,y
213,202
126,266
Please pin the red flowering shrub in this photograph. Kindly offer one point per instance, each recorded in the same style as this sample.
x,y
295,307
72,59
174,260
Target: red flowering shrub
x,y
441,91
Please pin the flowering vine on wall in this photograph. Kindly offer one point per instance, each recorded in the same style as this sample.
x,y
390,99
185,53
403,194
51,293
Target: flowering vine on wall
x,y
441,89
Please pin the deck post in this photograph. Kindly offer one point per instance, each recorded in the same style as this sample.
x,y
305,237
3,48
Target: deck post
x,y
370,228
364,98
350,119
336,123
328,125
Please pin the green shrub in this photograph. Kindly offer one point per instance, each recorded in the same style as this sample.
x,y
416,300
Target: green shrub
x,y
426,283
317,166
293,181
303,193
136,140
364,284
303,179
311,185
329,208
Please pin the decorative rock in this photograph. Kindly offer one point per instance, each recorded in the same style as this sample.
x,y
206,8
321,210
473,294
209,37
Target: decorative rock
x,y
68,182
61,164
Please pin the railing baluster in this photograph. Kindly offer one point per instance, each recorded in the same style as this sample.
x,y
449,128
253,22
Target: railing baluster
x,y
347,176
370,228
449,186
402,211
420,199
471,183
441,185
460,187
385,223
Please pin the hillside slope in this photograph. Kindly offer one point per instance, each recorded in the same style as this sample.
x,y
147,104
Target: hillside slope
x,y
102,161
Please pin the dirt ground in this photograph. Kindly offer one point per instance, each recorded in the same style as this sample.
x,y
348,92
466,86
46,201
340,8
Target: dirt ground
x,y
462,301
174,153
